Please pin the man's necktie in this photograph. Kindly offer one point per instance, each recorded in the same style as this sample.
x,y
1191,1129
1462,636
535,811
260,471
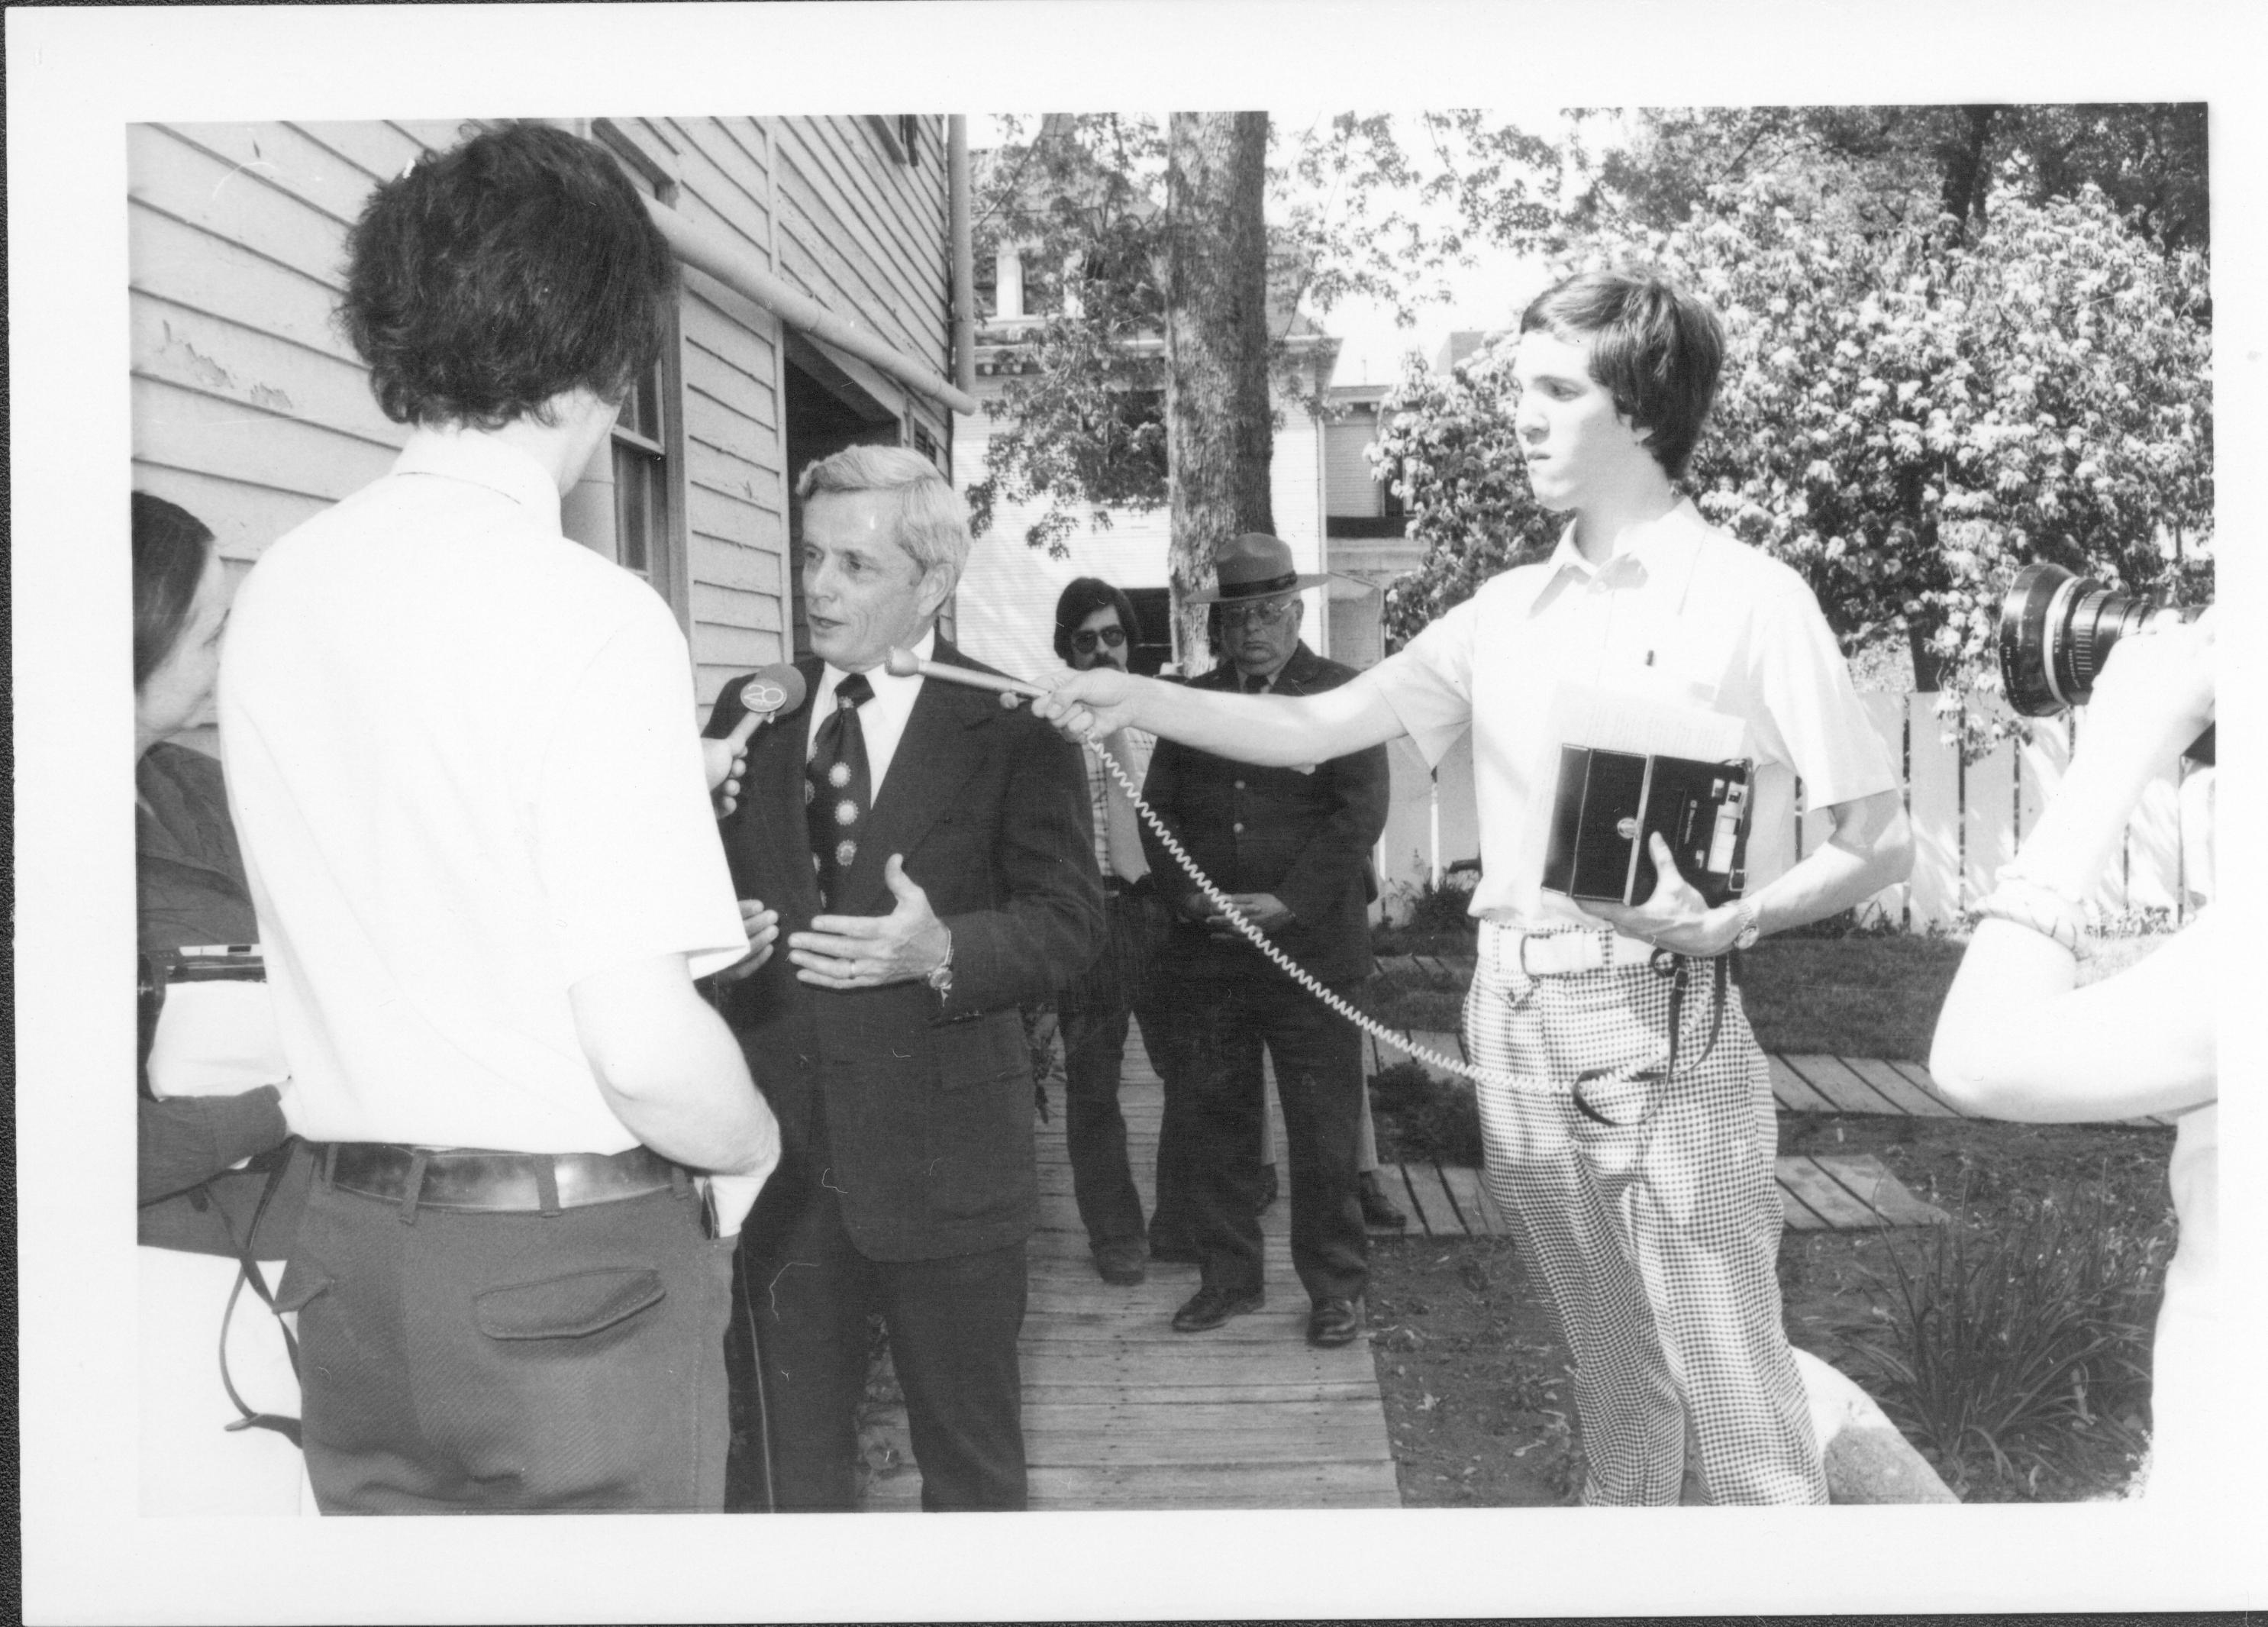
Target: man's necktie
x,y
1123,833
1256,683
837,790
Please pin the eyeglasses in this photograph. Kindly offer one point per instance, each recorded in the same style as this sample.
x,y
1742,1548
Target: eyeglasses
x,y
1265,615
1084,640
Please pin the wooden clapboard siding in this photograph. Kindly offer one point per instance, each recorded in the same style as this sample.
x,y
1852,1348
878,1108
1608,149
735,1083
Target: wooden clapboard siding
x,y
249,409
252,410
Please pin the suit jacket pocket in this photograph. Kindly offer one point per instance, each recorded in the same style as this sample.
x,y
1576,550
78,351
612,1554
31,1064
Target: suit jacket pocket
x,y
981,1051
976,1145
568,1307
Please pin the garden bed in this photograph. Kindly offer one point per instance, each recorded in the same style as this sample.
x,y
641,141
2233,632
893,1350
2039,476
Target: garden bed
x,y
1479,1403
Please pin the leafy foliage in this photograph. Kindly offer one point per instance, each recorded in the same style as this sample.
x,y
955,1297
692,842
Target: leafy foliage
x,y
1906,416
1086,198
1998,1342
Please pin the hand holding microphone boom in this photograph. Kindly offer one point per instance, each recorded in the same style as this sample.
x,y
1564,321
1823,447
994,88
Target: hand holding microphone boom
x,y
905,664
770,692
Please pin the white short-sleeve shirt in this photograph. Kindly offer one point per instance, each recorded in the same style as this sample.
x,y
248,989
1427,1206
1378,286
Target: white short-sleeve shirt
x,y
1681,614
461,756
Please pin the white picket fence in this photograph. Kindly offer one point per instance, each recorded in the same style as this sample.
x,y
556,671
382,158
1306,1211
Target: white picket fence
x,y
1967,821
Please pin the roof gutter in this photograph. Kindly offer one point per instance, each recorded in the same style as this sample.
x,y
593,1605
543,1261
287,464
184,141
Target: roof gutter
x,y
741,270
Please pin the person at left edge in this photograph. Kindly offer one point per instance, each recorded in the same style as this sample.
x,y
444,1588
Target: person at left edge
x,y
930,857
483,915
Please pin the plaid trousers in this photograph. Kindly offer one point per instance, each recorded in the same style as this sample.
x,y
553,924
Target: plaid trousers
x,y
1649,1206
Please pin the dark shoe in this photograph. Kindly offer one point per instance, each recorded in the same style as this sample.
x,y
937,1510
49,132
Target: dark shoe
x,y
1268,1187
1334,1322
1120,1263
1378,1208
1209,1308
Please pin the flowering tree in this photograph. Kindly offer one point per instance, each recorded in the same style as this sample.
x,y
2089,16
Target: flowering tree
x,y
1906,417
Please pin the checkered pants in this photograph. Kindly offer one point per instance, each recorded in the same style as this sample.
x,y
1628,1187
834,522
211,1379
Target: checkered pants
x,y
1654,1218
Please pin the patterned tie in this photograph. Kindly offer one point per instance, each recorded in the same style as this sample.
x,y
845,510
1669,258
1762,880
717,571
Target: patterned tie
x,y
1123,829
836,789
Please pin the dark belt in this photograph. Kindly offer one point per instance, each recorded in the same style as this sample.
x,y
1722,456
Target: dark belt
x,y
474,1180
1114,886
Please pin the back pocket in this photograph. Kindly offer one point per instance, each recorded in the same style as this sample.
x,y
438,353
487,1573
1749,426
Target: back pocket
x,y
567,1307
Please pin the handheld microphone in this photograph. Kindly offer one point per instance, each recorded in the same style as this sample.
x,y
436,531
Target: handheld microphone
x,y
768,693
906,664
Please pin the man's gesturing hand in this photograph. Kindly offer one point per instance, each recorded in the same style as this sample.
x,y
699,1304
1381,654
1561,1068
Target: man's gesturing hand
x,y
1677,917
1090,704
865,952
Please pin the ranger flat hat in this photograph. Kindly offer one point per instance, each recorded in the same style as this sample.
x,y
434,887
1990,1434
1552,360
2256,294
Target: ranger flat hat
x,y
1255,566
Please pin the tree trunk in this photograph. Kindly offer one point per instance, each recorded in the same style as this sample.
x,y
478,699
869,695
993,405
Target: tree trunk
x,y
1219,427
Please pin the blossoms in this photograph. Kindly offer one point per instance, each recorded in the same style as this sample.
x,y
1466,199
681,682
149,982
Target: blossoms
x,y
1904,419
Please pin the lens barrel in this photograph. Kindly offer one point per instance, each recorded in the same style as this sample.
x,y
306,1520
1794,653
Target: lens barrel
x,y
2058,630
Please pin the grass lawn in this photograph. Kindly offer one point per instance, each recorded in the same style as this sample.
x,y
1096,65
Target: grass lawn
x,y
1850,996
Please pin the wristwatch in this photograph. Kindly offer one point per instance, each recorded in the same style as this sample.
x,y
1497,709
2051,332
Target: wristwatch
x,y
940,976
1751,925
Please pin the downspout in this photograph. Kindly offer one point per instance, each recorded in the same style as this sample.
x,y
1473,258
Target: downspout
x,y
741,270
964,257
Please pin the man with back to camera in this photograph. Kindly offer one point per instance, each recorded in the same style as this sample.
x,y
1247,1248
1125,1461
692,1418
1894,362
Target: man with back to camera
x,y
928,856
1291,850
483,917
1648,1204
1095,626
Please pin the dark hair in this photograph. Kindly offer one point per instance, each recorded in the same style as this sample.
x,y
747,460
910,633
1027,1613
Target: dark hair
x,y
169,559
1082,598
486,280
1659,351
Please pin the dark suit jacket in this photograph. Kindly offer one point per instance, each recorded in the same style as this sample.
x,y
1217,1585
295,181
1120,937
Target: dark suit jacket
x,y
928,1106
1304,837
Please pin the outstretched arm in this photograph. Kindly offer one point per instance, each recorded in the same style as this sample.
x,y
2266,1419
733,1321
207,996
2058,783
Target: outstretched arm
x,y
1276,731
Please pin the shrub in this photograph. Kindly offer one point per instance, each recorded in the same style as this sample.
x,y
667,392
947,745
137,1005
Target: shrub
x,y
1420,1118
2014,1341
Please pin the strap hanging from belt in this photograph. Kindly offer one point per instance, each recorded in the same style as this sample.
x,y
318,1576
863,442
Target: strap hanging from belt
x,y
247,1270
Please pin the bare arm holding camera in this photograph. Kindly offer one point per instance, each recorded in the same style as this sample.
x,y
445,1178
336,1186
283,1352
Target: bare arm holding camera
x,y
2018,1038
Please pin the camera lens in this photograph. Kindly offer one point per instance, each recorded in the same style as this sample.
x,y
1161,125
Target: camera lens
x,y
2056,630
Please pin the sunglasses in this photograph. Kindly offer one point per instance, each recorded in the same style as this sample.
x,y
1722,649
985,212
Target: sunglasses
x,y
1084,640
1256,616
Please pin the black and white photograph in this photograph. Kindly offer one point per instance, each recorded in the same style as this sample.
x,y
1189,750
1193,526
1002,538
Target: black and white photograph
x,y
1287,847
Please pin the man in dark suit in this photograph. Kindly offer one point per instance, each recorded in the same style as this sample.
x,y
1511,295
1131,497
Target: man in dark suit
x,y
1291,849
928,853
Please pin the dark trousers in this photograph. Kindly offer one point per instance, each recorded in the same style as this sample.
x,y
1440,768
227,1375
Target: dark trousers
x,y
1092,1014
1216,1109
507,1363
952,1325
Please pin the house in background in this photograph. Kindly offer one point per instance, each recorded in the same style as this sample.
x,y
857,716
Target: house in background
x,y
815,311
1007,597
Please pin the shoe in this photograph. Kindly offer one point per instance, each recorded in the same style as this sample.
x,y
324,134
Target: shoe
x,y
1333,1322
1209,1308
1378,1210
1268,1187
1120,1263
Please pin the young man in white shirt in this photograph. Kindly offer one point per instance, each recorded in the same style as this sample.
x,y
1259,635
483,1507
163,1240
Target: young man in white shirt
x,y
480,846
1636,1163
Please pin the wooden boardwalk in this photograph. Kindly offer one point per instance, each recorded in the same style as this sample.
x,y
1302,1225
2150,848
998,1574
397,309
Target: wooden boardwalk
x,y
1121,1412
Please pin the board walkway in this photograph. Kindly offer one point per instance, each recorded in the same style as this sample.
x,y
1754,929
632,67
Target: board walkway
x,y
1121,1412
